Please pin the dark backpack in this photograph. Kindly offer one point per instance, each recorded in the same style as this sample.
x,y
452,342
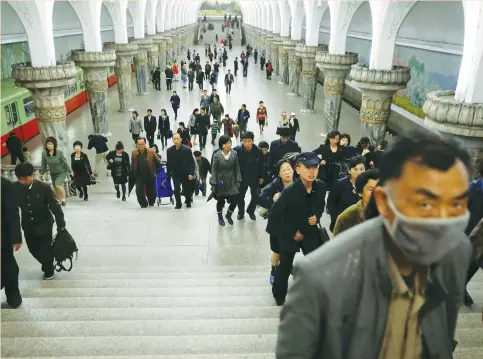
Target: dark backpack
x,y
64,247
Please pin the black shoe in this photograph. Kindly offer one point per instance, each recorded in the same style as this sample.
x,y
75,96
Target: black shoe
x,y
188,204
81,194
123,197
252,216
240,216
86,197
468,300
178,206
228,218
280,302
118,194
15,301
204,194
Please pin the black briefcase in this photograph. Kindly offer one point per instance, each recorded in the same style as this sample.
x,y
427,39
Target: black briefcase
x,y
323,235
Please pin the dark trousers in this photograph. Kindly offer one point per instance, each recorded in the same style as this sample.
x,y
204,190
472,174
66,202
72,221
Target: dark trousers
x,y
200,84
280,285
236,71
187,189
269,75
148,183
221,203
135,137
190,85
256,59
254,193
150,138
83,190
40,247
169,83
203,139
228,87
14,156
175,110
245,71
157,85
213,138
207,75
474,266
164,139
9,273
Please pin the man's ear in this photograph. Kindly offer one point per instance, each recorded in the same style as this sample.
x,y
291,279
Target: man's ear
x,y
380,197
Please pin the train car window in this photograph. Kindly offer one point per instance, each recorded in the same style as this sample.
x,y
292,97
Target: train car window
x,y
28,104
12,114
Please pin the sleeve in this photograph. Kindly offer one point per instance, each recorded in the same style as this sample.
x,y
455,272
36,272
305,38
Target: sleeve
x,y
238,172
339,225
261,164
43,166
207,164
333,199
301,320
90,144
214,170
168,167
126,162
54,207
265,199
279,206
88,164
72,161
130,125
142,125
64,162
10,212
192,166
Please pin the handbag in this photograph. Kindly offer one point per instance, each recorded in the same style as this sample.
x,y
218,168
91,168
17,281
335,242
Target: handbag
x,y
158,136
323,235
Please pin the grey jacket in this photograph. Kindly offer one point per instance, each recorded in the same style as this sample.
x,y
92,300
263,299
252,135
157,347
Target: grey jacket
x,y
136,126
205,101
226,170
338,305
57,164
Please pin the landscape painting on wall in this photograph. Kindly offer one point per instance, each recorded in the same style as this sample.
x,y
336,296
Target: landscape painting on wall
x,y
430,71
12,54
220,8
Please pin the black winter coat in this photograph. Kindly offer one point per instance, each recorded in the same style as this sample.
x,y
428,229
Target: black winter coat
x,y
11,233
251,164
291,212
278,149
98,142
202,124
163,124
81,168
342,196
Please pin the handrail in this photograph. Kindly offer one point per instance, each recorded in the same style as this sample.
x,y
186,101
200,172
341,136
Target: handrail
x,y
8,171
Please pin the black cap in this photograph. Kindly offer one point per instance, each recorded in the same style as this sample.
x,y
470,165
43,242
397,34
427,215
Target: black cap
x,y
308,159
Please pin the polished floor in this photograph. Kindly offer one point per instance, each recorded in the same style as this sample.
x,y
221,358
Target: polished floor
x,y
166,283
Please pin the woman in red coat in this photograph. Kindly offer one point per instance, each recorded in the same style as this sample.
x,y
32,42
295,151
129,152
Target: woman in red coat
x,y
175,71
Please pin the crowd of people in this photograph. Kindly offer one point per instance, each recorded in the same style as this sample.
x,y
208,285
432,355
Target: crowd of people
x,y
399,219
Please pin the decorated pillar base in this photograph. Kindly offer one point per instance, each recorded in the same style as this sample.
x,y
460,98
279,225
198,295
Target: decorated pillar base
x,y
169,50
456,119
47,86
124,54
294,71
162,50
275,54
336,68
95,66
289,47
378,87
309,76
141,64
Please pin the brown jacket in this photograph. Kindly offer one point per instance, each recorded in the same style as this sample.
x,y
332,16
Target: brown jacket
x,y
351,217
152,159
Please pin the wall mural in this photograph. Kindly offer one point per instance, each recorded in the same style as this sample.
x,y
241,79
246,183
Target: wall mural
x,y
430,71
12,54
220,8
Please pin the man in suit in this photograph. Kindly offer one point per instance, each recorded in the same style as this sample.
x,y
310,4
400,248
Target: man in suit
x,y
150,126
203,124
11,240
229,79
143,168
39,208
297,212
281,147
235,66
205,101
181,168
242,118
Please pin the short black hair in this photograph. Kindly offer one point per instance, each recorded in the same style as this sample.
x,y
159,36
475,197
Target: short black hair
x,y
197,153
383,144
264,144
137,114
119,146
223,140
77,143
149,110
426,148
248,135
260,102
364,177
24,170
12,134
332,134
363,142
356,160
346,135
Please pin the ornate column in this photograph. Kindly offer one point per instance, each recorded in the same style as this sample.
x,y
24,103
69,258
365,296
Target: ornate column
x,y
336,68
162,50
294,70
153,55
378,87
283,61
456,119
289,47
169,51
309,75
47,86
275,53
268,45
96,66
140,63
124,54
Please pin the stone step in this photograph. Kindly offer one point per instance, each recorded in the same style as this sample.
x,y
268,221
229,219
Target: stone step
x,y
147,302
468,353
33,268
470,337
147,292
130,328
200,356
82,314
148,345
146,283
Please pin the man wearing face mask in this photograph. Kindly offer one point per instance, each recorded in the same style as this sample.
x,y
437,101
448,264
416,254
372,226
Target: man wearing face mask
x,y
391,287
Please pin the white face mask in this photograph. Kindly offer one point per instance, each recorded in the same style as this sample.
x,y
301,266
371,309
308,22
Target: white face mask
x,y
425,240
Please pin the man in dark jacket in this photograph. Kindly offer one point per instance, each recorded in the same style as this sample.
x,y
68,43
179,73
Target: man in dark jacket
x,y
251,162
229,79
11,240
204,167
297,212
150,126
14,146
235,66
39,208
394,283
181,168
281,147
203,125
242,118
157,79
99,143
143,170
344,193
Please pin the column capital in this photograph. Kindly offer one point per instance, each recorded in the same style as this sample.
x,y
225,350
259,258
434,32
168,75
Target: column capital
x,y
84,59
39,78
444,114
328,61
129,49
381,80
143,44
